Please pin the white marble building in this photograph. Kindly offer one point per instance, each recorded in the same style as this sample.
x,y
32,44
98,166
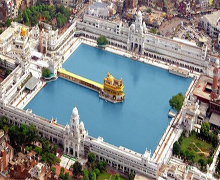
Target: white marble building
x,y
76,142
75,135
190,112
136,38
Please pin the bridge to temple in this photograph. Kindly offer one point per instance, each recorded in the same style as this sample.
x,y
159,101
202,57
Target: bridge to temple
x,y
80,80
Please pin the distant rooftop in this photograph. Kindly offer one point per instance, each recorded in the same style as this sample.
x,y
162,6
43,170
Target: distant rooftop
x,y
213,18
184,41
215,119
97,5
32,83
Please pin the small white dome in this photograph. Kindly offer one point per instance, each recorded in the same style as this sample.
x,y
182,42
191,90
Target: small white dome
x,y
132,27
217,62
75,112
81,125
67,126
139,14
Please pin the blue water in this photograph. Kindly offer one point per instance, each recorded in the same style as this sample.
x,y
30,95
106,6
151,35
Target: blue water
x,y
137,123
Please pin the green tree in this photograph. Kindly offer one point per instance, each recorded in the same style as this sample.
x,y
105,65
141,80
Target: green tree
x,y
201,163
51,159
53,169
117,177
210,160
215,140
8,22
216,131
85,174
149,10
3,122
7,72
97,172
153,30
131,176
38,151
5,63
102,41
46,72
101,165
77,169
13,132
32,134
34,20
205,129
59,22
176,148
93,176
67,13
66,176
91,157
176,102
61,173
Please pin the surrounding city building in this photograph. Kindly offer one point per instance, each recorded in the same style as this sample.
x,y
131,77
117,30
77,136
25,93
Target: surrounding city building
x,y
211,24
7,152
99,9
130,4
8,10
72,3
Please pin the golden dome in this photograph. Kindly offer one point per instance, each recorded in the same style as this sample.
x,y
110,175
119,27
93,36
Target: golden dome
x,y
110,78
23,31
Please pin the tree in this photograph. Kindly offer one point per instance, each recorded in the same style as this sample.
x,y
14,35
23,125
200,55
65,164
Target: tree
x,y
176,102
148,10
13,133
117,177
176,148
61,173
53,169
131,176
97,172
205,129
77,169
91,157
66,176
210,160
38,151
85,174
93,176
46,72
51,158
59,22
102,41
5,63
8,22
216,131
153,30
215,140
201,162
7,72
101,165
3,122
32,134
190,155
